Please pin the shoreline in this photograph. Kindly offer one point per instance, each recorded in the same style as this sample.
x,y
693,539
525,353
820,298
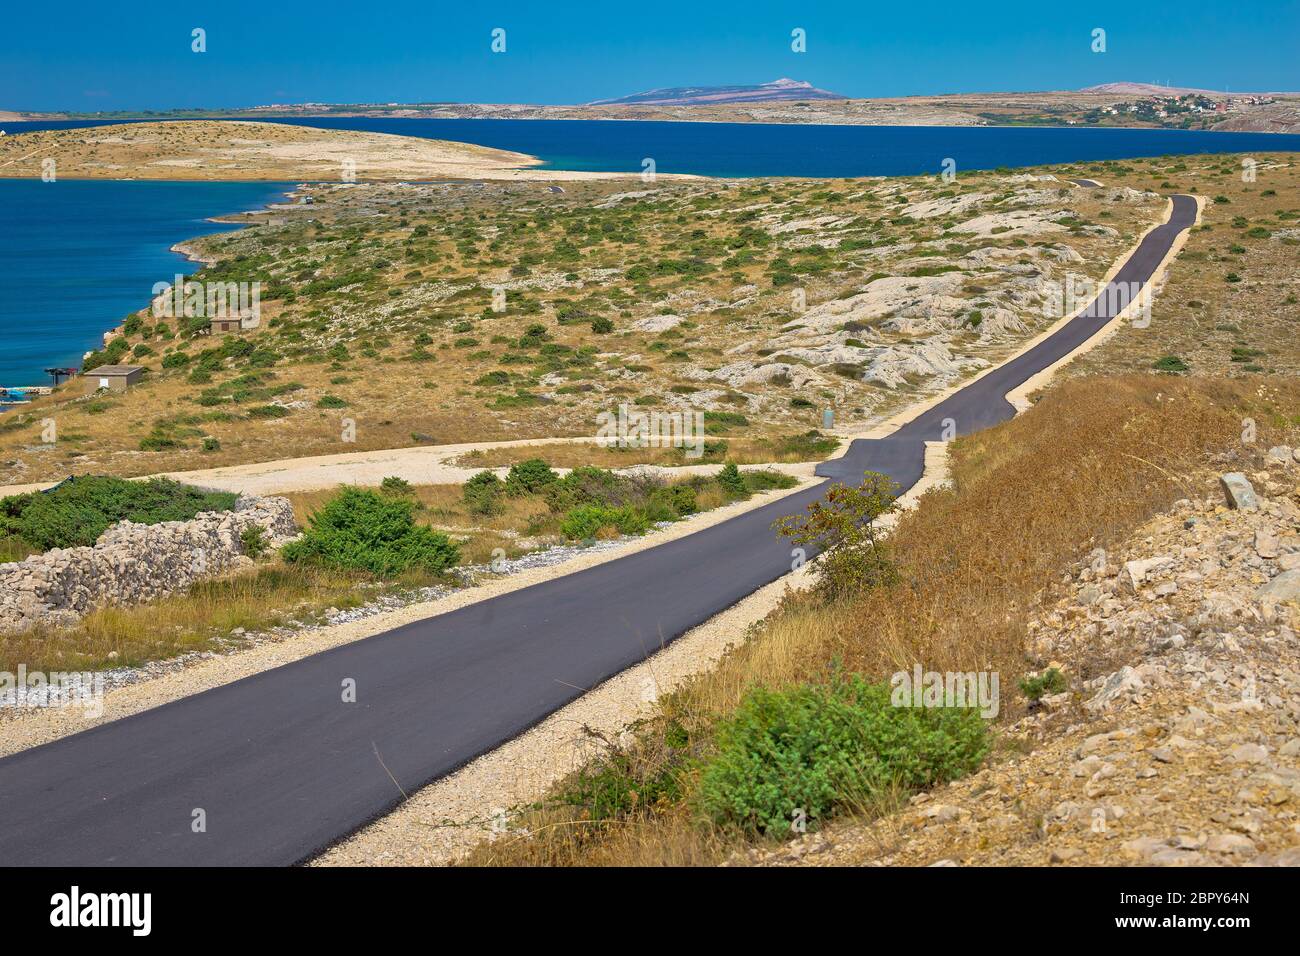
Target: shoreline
x,y
185,248
188,248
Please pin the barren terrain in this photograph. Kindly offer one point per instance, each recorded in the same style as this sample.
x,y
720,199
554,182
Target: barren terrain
x,y
433,314
206,150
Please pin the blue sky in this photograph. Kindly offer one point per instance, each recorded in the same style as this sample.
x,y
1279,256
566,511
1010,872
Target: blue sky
x,y
103,56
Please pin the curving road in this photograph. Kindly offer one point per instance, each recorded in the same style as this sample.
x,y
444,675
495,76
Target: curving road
x,y
281,767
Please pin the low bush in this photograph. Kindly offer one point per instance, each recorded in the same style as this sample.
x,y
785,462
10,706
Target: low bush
x,y
843,528
765,479
590,485
78,511
586,521
529,477
365,531
393,485
817,747
483,493
680,500
1170,363
253,540
1051,681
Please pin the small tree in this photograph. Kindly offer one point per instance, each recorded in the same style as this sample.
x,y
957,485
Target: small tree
x,y
843,528
732,482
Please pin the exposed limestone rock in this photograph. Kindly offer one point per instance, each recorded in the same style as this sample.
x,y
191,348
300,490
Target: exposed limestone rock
x,y
1239,491
1020,223
658,323
134,563
1185,750
1284,587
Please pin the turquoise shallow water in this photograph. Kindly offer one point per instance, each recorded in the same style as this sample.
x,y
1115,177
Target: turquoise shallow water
x,y
76,257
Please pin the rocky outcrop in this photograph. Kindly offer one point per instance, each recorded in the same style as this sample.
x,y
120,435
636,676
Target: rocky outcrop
x,y
1176,741
134,563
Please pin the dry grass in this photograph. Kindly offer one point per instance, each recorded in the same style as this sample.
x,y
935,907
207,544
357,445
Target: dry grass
x,y
391,352
1090,463
1231,305
524,524
202,619
741,451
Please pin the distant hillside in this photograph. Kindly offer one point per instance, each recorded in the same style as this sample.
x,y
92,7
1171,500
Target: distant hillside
x,y
1146,89
1154,89
776,91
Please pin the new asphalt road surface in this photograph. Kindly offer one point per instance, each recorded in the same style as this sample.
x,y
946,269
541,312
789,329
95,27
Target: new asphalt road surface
x,y
278,765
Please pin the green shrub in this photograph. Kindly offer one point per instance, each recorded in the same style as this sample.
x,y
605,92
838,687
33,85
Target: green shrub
x,y
1170,363
330,401
818,747
715,422
585,521
393,485
843,528
621,782
679,501
765,479
483,493
253,539
160,441
732,482
529,477
810,446
602,325
586,485
110,354
1051,681
365,531
78,511
268,411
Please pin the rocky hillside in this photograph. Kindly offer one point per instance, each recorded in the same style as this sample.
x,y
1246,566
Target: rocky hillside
x,y
1174,737
430,313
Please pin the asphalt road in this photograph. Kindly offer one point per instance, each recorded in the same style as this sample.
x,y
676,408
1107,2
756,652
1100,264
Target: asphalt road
x,y
281,766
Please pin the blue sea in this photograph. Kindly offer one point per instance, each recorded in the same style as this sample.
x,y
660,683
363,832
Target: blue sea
x,y
75,257
763,149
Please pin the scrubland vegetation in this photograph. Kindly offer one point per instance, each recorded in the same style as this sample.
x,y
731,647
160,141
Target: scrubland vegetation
x,y
358,545
78,511
1231,305
429,314
797,718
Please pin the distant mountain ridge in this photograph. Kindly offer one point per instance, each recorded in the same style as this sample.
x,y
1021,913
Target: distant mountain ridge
x,y
782,90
